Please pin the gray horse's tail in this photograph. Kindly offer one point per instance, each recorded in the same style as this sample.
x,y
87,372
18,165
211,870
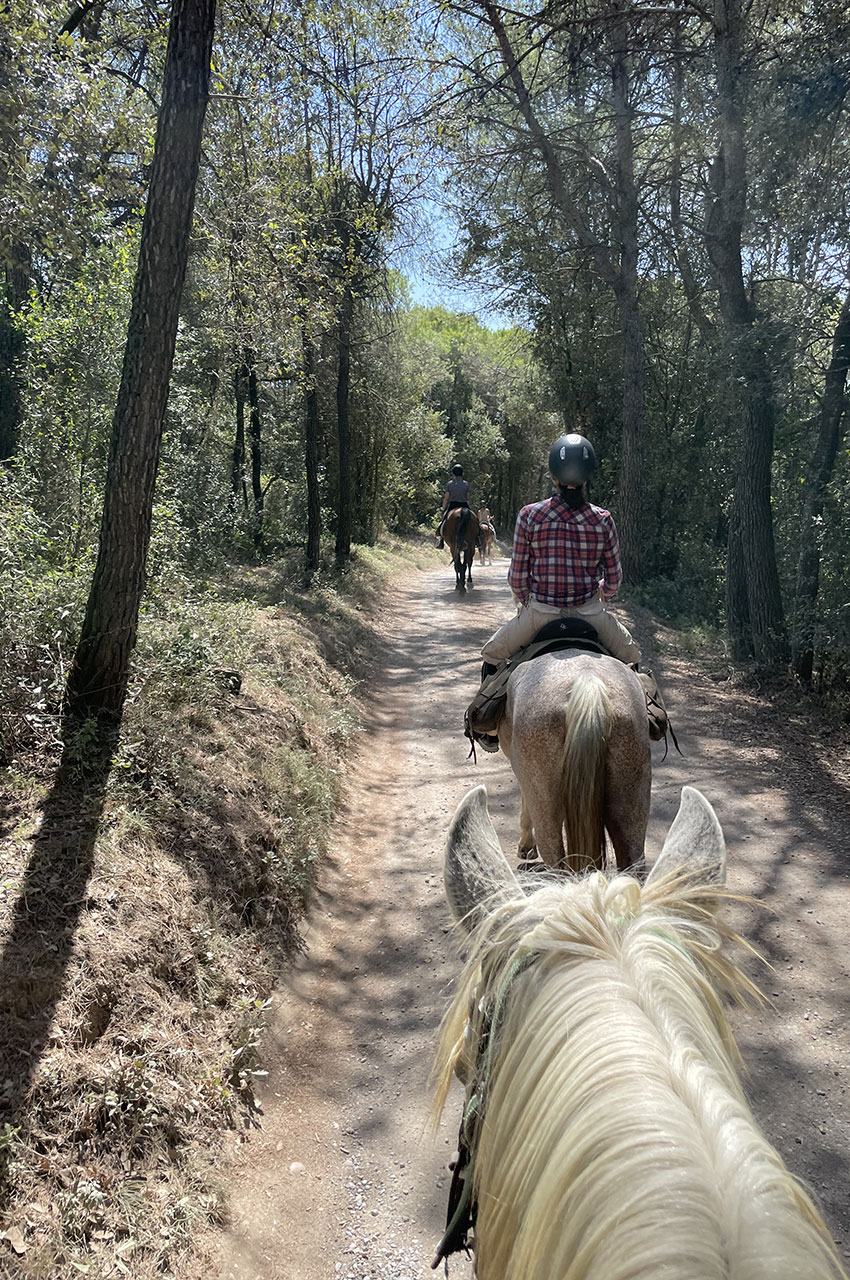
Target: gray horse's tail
x,y
588,729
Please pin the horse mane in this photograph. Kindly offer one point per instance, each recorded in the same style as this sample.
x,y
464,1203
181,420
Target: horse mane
x,y
616,1142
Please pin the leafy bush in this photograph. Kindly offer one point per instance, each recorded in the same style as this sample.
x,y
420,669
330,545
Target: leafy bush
x,y
41,609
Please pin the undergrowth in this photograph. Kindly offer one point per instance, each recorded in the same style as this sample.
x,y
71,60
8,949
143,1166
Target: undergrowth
x,y
146,907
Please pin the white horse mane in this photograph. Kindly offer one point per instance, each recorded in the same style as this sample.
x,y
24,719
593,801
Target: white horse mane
x,y
617,1143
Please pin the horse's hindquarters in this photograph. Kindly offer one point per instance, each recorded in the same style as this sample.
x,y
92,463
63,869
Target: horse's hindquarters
x,y
576,732
461,533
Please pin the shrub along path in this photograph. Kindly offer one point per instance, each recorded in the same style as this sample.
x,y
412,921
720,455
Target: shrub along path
x,y
341,1176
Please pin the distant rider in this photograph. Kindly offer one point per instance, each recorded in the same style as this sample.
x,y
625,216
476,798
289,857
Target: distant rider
x,y
456,495
485,521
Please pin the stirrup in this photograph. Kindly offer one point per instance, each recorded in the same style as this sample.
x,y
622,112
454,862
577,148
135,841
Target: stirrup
x,y
486,741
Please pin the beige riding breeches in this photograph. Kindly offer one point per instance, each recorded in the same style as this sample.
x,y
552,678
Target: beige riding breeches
x,y
522,629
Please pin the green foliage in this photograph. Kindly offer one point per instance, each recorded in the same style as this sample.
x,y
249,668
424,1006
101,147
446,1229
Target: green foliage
x,y
74,337
542,249
41,605
326,129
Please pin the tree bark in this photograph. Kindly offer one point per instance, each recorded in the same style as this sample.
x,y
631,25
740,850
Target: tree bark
x,y
748,358
343,392
309,371
15,266
255,432
100,672
737,594
16,282
312,449
237,473
689,283
632,518
372,514
831,422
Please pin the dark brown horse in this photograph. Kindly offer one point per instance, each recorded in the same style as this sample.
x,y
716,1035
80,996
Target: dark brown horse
x,y
460,531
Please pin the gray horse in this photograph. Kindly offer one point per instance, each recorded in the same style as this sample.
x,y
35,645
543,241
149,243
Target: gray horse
x,y
575,731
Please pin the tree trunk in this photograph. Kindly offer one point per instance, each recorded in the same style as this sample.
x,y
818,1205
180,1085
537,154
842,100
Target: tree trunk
x,y
632,522
15,264
737,601
343,390
16,281
748,358
312,444
372,514
237,474
257,493
554,173
831,421
752,495
100,671
689,283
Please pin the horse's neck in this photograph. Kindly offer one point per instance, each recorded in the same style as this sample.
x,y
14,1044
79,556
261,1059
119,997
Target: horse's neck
x,y
663,1075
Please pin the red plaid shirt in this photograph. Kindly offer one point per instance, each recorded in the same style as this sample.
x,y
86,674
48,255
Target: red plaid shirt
x,y
560,555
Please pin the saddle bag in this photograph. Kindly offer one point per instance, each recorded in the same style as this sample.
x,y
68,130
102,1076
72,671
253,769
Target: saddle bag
x,y
656,712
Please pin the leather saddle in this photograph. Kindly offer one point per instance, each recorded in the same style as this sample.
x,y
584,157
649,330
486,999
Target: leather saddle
x,y
485,711
561,633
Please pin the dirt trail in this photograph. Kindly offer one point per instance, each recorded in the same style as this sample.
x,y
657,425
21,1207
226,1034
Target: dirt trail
x,y
341,1178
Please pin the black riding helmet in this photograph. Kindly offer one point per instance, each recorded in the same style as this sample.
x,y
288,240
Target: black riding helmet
x,y
457,469
572,460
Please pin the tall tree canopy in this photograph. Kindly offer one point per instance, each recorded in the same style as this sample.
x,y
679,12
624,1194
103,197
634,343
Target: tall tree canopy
x,y
655,196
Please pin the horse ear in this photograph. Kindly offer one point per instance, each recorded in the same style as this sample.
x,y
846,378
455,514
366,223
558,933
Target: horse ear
x,y
694,846
475,868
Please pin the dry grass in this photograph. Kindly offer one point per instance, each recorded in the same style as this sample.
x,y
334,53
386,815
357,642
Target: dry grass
x,y
146,904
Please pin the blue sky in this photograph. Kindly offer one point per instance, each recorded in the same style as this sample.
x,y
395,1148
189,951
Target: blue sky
x,y
430,290
425,265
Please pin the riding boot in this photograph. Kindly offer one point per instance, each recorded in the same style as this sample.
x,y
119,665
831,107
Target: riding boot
x,y
489,741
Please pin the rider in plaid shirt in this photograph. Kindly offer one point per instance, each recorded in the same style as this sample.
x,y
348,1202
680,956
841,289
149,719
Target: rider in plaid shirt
x,y
565,561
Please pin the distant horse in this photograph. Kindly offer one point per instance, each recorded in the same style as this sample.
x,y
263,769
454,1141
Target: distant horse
x,y
576,734
605,1133
460,531
486,535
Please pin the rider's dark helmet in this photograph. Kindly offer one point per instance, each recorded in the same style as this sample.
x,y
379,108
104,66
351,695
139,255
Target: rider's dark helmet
x,y
457,469
572,460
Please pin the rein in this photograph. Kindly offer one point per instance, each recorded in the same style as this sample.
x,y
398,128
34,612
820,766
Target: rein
x,y
461,1213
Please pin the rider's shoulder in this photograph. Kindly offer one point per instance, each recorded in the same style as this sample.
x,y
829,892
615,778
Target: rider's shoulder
x,y
599,513
534,510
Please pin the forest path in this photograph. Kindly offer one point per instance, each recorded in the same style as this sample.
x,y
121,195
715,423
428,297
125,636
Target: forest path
x,y
342,1178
